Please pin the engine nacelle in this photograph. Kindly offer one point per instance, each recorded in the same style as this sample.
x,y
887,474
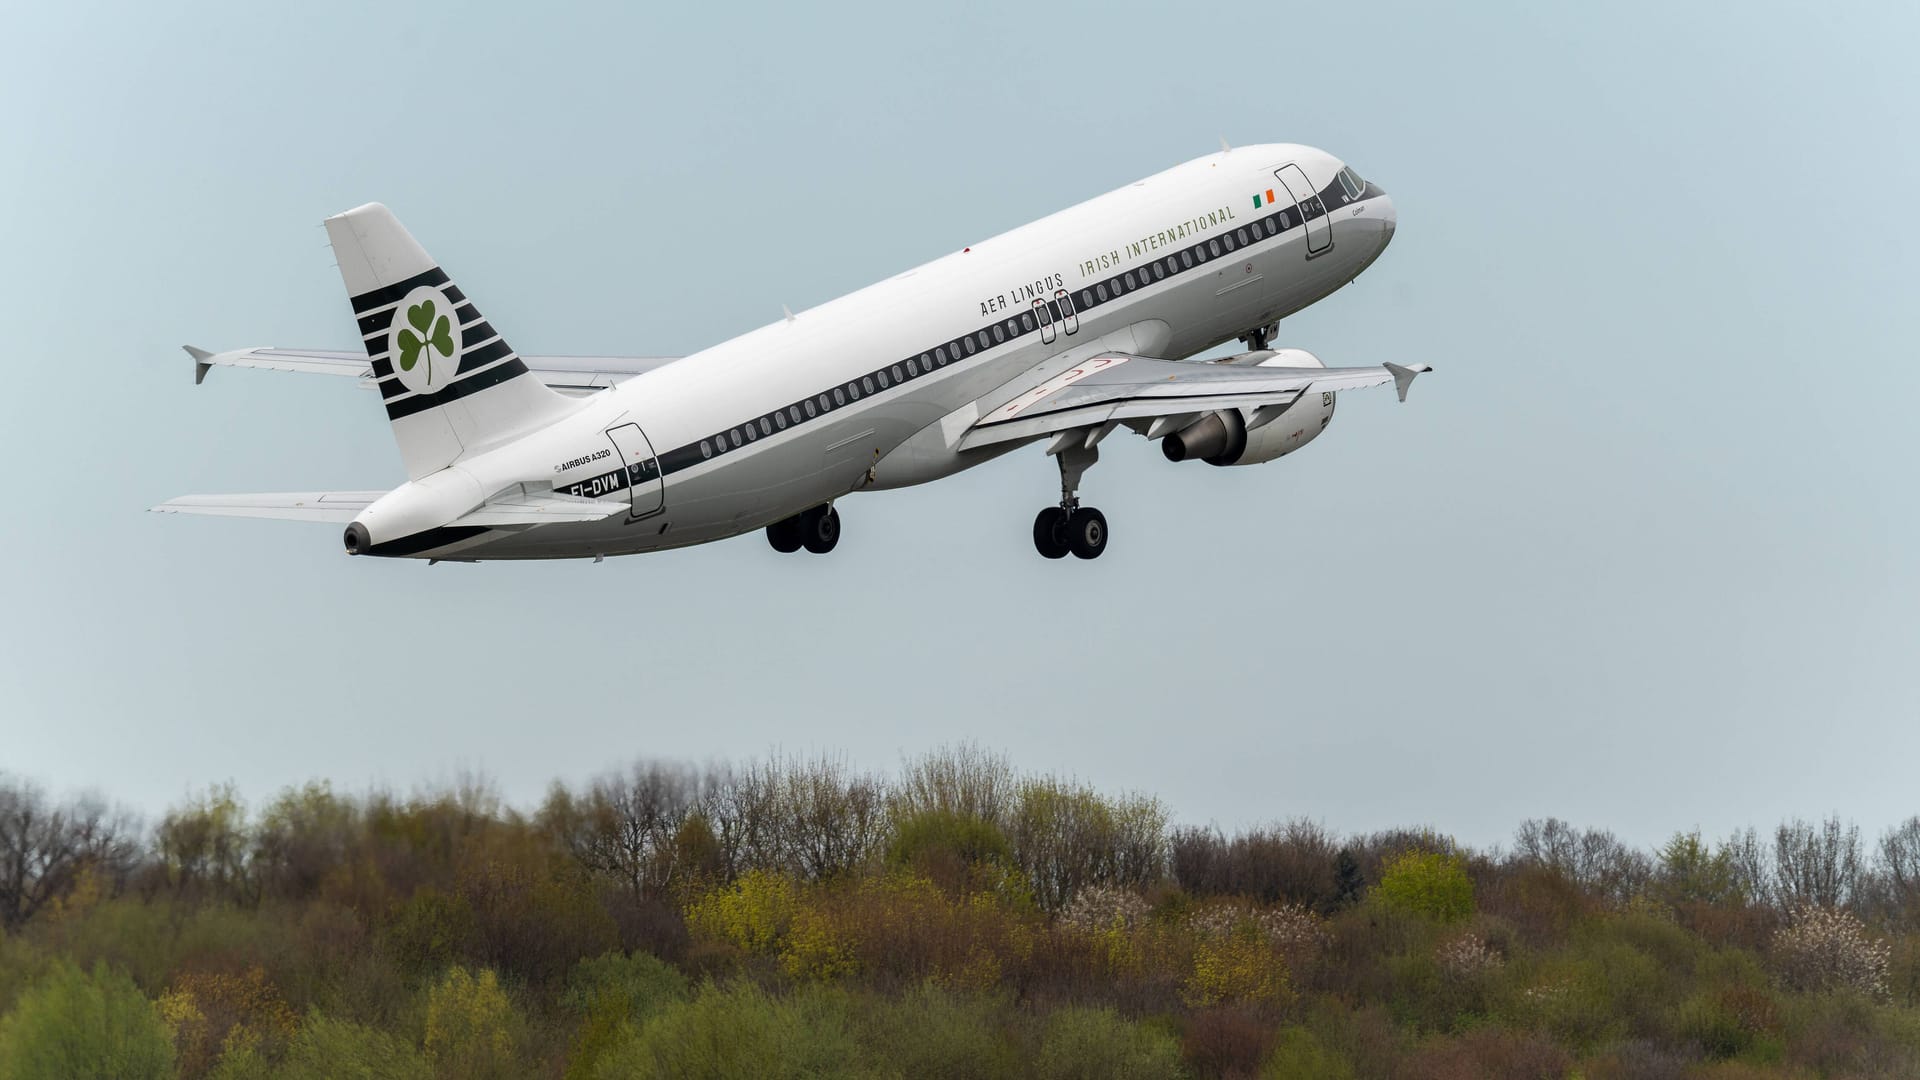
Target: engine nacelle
x,y
1223,438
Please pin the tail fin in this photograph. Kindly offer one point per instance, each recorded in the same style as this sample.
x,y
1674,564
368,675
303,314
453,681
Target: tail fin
x,y
450,383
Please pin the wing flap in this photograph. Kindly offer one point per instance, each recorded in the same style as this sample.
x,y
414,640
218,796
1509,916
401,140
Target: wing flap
x,y
1109,388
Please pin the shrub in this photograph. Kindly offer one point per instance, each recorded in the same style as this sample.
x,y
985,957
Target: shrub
x,y
210,1011
1827,949
612,992
1242,966
1226,1041
939,1035
328,1049
1299,1055
1489,1054
739,1030
753,914
929,836
73,1024
1096,1044
471,1026
1428,884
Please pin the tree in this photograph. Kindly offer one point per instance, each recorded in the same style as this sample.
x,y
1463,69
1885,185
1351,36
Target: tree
x,y
1423,883
1691,872
1816,864
1593,859
45,848
1899,868
471,1027
75,1025
204,846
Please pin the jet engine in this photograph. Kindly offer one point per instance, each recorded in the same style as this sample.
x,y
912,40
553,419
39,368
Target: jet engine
x,y
1246,436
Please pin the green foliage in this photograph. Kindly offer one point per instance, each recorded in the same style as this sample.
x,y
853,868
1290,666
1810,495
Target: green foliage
x,y
1299,1055
1692,872
1428,884
930,835
613,992
1096,1044
74,1024
740,1030
471,1027
328,1049
431,930
937,1034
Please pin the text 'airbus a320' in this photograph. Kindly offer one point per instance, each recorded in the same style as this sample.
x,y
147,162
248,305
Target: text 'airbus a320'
x,y
1058,333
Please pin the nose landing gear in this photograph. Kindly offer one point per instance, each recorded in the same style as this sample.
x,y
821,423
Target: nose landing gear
x,y
1070,527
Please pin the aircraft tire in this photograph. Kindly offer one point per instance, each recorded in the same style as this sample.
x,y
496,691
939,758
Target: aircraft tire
x,y
1087,533
784,535
1050,533
820,529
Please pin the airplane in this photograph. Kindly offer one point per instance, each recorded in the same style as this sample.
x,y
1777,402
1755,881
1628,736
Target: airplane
x,y
1060,333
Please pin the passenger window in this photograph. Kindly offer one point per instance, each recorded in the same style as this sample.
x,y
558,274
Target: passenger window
x,y
780,420
706,450
883,381
940,356
1213,246
1186,259
1100,290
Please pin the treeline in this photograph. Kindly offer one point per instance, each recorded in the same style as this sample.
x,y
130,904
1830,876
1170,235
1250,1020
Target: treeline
x,y
799,917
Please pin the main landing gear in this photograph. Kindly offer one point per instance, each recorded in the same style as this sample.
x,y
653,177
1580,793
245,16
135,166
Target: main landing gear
x,y
817,530
1071,527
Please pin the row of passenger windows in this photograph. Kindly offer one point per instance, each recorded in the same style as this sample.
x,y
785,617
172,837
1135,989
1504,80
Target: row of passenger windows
x,y
1186,260
998,334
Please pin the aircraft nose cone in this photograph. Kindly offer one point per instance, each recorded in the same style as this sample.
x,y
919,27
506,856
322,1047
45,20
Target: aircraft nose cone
x,y
1387,219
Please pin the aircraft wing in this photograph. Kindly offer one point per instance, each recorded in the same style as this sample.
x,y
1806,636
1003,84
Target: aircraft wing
x,y
568,374
505,510
1159,396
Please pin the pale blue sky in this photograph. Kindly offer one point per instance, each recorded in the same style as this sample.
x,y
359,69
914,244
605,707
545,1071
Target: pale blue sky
x,y
1637,554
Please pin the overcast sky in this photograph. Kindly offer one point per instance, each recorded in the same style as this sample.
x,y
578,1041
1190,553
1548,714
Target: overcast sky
x,y
1639,553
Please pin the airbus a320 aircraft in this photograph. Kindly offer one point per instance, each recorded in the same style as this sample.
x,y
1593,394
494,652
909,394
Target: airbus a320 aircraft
x,y
1058,333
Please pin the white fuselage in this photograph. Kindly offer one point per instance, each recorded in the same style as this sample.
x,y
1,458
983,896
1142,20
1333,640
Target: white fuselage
x,y
851,395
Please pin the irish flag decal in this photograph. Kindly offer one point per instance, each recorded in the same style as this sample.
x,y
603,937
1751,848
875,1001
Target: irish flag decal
x,y
1257,204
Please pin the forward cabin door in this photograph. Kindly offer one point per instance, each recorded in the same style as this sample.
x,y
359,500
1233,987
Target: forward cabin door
x,y
1307,201
644,482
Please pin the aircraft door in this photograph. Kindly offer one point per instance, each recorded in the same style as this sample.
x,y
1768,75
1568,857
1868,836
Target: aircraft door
x,y
644,482
1312,211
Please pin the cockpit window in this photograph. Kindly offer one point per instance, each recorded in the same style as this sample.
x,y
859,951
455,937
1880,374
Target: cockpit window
x,y
1351,181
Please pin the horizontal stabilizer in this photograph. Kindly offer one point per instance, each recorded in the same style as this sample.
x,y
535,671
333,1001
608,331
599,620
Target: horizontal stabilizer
x,y
505,510
335,506
573,375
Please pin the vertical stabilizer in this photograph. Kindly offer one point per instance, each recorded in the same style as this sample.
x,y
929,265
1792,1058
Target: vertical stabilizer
x,y
450,383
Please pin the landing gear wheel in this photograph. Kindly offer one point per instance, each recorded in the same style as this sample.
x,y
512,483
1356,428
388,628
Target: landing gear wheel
x,y
820,529
784,535
1050,533
1087,533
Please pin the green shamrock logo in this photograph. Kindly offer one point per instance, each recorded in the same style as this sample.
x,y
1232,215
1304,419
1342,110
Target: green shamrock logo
x,y
421,316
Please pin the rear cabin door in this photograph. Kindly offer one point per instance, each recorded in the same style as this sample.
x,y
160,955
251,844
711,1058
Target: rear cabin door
x,y
644,482
1312,211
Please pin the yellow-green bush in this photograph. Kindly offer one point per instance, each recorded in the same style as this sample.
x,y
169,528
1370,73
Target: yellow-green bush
x,y
753,914
740,1030
471,1027
1241,966
1426,883
329,1049
74,1024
